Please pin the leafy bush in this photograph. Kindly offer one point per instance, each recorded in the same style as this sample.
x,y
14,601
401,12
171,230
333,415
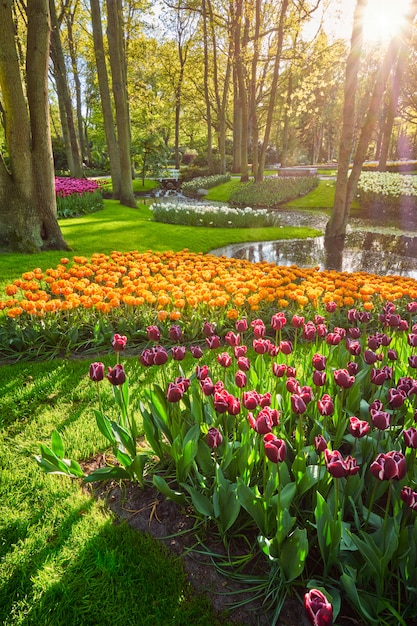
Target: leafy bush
x,y
203,182
77,196
211,216
273,191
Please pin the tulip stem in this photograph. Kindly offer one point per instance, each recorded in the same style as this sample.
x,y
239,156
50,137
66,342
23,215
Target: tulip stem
x,y
386,511
371,504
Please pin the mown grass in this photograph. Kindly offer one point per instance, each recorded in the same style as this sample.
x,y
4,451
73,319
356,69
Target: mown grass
x,y
63,559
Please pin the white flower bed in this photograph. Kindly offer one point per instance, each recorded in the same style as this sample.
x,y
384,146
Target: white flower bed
x,y
387,184
212,216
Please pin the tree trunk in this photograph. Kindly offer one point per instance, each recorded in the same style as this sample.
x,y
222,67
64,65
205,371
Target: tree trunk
x,y
273,92
69,19
336,226
28,220
207,91
64,97
106,106
241,90
117,63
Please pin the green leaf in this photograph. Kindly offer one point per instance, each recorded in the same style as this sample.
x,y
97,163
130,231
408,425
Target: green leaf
x,y
161,484
137,466
201,503
329,532
253,504
57,445
293,555
123,437
107,473
104,426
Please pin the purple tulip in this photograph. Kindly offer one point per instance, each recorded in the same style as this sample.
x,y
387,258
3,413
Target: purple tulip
x,y
116,375
339,467
343,378
297,321
208,329
97,371
331,307
259,328
275,449
213,341
224,359
250,400
240,379
160,355
175,392
196,351
260,345
232,338
285,347
319,362
119,342
243,363
319,378
325,405
391,465
279,369
175,333
241,325
239,351
318,608
358,428
178,353
410,437
396,397
320,443
409,496
213,438
298,405
153,332
278,321
207,386
201,372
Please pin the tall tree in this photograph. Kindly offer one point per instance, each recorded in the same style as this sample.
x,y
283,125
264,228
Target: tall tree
x,y
28,221
115,37
105,97
346,183
69,130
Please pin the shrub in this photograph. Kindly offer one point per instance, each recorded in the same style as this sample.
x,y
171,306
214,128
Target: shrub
x,y
211,216
273,191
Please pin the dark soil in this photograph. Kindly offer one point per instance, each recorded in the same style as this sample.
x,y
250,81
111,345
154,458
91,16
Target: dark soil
x,y
147,510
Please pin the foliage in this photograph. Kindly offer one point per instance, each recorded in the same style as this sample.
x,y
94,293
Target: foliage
x,y
77,305
76,197
203,182
309,441
273,191
211,216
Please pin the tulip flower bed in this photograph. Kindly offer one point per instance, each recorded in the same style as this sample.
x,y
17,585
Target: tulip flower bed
x,y
390,189
77,196
211,216
298,431
80,304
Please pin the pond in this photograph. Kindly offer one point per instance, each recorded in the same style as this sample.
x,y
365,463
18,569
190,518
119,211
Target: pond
x,y
368,247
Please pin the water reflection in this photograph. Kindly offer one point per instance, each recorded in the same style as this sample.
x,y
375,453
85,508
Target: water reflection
x,y
376,253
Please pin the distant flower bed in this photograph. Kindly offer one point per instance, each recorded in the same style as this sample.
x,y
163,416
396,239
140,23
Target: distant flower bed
x,y
204,182
387,188
211,216
273,191
77,196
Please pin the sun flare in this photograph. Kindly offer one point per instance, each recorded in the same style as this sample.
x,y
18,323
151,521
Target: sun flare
x,y
384,18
